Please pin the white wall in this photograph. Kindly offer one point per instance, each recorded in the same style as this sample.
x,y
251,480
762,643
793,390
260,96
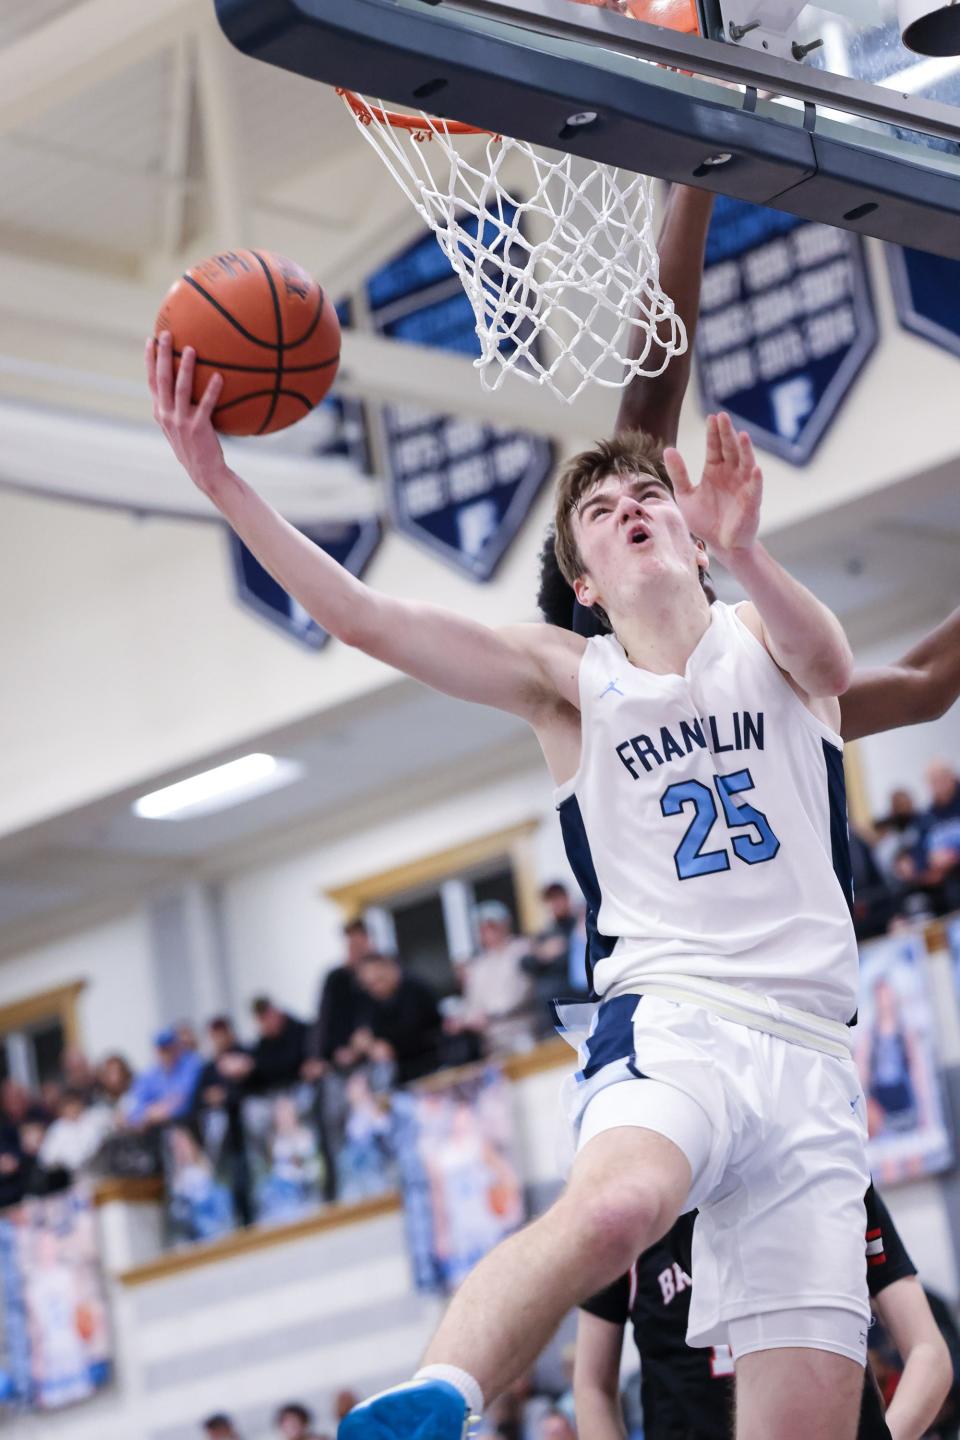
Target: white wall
x,y
117,1007
281,931
900,757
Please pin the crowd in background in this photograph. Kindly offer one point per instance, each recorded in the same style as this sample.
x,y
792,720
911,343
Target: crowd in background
x,y
373,1018
377,1017
907,865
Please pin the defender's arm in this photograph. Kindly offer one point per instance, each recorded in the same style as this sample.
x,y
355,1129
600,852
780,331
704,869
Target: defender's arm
x,y
509,669
927,1371
920,686
596,1378
653,402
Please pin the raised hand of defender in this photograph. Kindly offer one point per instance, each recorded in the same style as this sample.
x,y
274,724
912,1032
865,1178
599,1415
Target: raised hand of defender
x,y
724,509
188,427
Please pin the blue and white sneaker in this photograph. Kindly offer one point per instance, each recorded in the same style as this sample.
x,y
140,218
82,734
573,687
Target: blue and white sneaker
x,y
419,1410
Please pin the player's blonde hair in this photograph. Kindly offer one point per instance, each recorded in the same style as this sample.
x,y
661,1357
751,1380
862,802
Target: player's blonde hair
x,y
633,452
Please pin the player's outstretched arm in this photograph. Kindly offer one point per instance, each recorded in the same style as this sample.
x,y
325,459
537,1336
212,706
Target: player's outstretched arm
x,y
927,1367
596,1378
653,402
510,669
803,636
921,685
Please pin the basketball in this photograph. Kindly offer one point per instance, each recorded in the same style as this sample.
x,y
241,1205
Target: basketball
x,y
266,326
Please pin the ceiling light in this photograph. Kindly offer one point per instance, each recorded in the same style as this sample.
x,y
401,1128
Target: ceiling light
x,y
217,789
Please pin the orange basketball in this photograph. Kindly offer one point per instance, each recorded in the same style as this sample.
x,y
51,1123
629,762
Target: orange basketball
x,y
266,326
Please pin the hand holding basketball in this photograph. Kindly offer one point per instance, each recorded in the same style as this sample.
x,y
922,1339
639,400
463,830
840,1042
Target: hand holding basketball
x,y
188,427
724,509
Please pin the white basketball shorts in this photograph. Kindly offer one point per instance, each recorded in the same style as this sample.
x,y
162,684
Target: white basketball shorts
x,y
775,1134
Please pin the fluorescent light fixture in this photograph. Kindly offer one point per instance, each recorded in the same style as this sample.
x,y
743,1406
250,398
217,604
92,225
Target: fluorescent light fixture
x,y
218,789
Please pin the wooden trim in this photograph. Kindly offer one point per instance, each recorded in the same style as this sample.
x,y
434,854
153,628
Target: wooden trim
x,y
858,801
58,1004
129,1190
512,843
549,1055
247,1242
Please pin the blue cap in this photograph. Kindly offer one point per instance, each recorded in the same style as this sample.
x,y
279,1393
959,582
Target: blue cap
x,y
165,1038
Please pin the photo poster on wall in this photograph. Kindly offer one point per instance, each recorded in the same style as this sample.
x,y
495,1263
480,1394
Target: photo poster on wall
x,y
461,1187
198,1167
284,1154
359,1127
55,1344
953,943
896,1053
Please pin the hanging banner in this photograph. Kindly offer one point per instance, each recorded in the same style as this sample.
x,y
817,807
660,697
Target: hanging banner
x,y
56,1346
786,324
337,427
926,293
896,1053
461,1190
460,487
352,546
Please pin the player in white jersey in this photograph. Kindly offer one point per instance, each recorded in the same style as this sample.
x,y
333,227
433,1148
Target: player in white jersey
x,y
735,1101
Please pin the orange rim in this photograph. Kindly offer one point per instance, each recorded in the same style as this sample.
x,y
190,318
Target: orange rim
x,y
419,126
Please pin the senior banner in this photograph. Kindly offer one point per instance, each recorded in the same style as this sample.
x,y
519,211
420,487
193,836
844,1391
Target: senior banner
x,y
896,1052
461,1189
56,1347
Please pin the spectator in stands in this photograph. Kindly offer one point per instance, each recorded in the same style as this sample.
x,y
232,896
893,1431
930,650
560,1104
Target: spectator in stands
x,y
901,829
497,994
278,1056
343,1403
164,1091
943,836
36,1178
295,1422
77,1133
875,901
930,872
217,1088
114,1082
220,1427
77,1072
556,1426
11,1161
14,1101
399,1019
555,963
340,998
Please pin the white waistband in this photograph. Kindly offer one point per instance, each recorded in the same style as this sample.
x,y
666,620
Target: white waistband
x,y
759,1012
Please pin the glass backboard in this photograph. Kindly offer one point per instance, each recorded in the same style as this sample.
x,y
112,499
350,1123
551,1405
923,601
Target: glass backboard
x,y
820,111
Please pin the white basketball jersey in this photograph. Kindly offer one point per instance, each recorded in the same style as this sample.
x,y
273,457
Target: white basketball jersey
x,y
707,826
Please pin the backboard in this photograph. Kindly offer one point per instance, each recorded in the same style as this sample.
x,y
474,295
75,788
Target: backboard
x,y
853,131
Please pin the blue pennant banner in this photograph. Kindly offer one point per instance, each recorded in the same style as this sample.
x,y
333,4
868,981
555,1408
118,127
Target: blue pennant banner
x,y
926,292
787,322
458,486
351,546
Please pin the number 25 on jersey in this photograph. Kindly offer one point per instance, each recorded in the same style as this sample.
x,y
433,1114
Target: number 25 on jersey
x,y
690,856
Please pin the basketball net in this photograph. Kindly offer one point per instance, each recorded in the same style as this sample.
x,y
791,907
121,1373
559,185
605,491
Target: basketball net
x,y
559,262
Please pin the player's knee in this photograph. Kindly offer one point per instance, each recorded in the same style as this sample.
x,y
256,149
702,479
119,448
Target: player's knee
x,y
620,1221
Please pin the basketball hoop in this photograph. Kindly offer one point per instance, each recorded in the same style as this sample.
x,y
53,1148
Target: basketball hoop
x,y
557,256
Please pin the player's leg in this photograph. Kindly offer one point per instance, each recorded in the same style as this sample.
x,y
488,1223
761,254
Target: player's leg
x,y
798,1394
625,1191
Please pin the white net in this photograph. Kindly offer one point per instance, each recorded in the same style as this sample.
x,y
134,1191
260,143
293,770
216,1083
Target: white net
x,y
557,256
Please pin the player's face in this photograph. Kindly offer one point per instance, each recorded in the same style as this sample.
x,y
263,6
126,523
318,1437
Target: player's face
x,y
629,532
